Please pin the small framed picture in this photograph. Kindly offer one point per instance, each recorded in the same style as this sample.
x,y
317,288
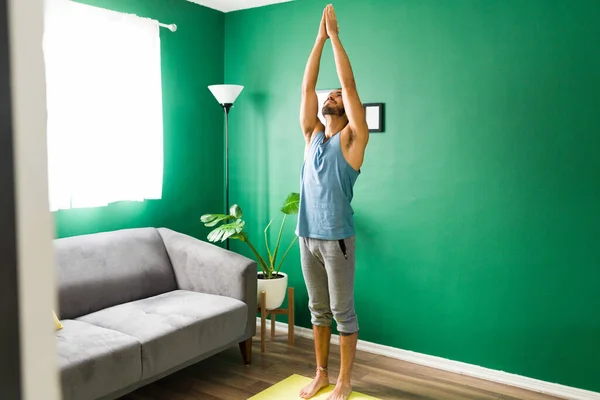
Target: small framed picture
x,y
374,115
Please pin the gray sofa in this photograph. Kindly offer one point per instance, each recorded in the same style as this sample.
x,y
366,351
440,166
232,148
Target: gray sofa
x,y
139,304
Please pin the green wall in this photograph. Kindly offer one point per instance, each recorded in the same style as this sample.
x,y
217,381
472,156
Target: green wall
x,y
192,59
477,210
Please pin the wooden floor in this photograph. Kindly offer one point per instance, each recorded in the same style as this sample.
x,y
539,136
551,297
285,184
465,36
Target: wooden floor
x,y
225,377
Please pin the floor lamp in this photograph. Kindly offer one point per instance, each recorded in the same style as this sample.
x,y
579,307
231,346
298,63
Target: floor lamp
x,y
226,95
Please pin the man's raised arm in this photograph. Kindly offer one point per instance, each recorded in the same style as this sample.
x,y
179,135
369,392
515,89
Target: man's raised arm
x,y
309,107
352,103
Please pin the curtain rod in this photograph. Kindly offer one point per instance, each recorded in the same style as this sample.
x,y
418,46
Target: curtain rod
x,y
171,27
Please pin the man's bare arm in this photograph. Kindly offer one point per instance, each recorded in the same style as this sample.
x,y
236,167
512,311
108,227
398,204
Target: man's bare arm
x,y
309,107
354,108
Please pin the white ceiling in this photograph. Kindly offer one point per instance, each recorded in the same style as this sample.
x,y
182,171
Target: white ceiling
x,y
233,5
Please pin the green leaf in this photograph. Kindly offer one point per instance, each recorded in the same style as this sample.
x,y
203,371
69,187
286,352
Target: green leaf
x,y
291,204
214,234
206,218
218,218
239,225
235,211
226,231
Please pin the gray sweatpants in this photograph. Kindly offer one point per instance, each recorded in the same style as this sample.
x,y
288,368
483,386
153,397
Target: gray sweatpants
x,y
328,268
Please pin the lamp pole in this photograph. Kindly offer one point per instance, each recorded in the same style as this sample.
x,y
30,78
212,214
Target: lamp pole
x,y
226,95
226,108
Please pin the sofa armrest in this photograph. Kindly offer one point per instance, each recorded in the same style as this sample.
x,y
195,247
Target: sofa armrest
x,y
203,267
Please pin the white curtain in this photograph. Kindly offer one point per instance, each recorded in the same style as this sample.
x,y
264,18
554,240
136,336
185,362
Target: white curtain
x,y
104,99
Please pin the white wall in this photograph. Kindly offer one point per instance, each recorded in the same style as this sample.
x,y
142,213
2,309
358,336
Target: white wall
x,y
34,221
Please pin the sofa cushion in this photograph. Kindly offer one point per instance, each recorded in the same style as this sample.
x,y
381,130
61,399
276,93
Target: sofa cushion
x,y
175,327
105,269
95,361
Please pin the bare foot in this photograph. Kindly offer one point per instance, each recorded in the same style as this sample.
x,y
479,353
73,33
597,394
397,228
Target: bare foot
x,y
341,392
321,381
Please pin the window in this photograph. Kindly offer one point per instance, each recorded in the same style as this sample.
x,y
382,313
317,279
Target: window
x,y
104,101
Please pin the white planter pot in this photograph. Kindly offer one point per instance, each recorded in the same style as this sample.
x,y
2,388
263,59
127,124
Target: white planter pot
x,y
275,289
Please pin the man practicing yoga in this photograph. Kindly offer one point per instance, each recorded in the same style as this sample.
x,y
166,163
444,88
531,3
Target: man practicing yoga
x,y
333,158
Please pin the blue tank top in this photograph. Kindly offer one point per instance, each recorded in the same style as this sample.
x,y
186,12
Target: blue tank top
x,y
326,190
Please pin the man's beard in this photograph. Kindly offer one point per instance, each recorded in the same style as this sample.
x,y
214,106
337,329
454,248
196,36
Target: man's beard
x,y
329,110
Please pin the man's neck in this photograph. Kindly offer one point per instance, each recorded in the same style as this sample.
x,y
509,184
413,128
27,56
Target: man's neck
x,y
334,125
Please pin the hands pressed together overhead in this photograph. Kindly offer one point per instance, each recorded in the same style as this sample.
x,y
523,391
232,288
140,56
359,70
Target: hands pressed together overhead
x,y
329,25
355,132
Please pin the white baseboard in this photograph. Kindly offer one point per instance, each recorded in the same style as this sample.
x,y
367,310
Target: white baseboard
x,y
458,367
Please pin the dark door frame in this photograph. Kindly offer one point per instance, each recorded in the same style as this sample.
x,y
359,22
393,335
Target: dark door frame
x,y
10,367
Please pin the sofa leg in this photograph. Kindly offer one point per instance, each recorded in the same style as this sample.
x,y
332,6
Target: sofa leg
x,y
246,349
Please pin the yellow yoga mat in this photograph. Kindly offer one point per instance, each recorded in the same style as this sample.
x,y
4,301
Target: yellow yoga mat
x,y
289,388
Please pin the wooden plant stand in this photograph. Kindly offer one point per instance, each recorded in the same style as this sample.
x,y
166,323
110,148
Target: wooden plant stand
x,y
264,314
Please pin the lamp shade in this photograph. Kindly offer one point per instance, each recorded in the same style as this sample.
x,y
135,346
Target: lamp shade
x,y
226,94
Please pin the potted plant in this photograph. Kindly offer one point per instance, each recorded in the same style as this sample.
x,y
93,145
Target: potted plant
x,y
270,278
